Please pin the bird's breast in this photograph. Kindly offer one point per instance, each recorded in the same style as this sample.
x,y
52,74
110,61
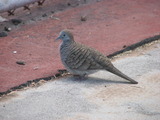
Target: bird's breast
x,y
64,51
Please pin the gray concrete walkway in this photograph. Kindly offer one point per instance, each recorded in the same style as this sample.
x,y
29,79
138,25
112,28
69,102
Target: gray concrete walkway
x,y
103,96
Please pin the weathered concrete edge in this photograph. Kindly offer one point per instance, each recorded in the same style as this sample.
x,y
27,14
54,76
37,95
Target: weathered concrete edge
x,y
64,72
136,45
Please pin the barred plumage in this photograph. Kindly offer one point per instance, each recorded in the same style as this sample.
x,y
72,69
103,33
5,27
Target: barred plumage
x,y
81,60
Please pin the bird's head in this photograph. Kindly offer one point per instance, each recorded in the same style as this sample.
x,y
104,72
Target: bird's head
x,y
65,36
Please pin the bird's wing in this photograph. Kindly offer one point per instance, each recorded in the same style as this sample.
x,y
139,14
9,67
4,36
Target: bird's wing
x,y
82,58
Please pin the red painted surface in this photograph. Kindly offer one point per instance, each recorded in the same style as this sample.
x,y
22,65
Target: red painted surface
x,y
109,26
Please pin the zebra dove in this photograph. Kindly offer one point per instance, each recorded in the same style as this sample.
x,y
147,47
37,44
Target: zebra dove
x,y
82,60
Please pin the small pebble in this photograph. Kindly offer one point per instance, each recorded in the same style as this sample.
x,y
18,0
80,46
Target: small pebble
x,y
55,18
124,46
8,29
83,18
44,15
52,11
3,34
69,4
36,68
14,52
16,21
20,62
57,75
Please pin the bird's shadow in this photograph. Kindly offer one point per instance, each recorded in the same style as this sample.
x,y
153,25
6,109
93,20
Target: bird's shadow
x,y
95,81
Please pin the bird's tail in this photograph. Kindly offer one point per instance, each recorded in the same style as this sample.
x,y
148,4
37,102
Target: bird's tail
x,y
120,74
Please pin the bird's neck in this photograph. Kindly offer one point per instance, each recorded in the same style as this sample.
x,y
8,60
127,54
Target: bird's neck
x,y
66,44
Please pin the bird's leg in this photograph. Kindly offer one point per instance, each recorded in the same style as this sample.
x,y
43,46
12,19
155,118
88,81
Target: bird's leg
x,y
81,77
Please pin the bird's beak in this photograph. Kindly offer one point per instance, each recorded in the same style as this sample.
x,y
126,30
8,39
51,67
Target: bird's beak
x,y
57,38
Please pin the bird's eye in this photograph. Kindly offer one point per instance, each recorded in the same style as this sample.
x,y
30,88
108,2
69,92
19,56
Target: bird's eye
x,y
64,35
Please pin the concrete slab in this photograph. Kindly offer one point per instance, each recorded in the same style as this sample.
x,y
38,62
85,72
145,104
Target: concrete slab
x,y
109,27
103,96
